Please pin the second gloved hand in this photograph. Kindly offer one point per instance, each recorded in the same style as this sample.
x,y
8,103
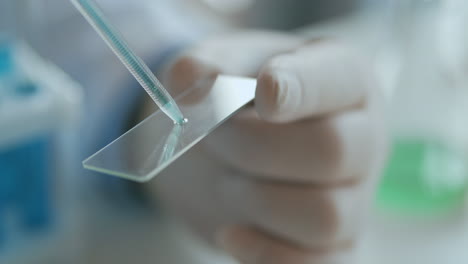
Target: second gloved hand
x,y
289,179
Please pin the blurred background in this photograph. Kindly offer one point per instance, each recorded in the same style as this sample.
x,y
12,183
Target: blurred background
x,y
64,95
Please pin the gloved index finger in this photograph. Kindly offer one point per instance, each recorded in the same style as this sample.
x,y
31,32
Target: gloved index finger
x,y
322,78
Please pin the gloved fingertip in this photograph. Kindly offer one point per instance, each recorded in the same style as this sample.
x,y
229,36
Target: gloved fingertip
x,y
278,94
225,239
188,72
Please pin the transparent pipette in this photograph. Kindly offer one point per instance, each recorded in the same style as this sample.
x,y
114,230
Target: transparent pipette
x,y
93,14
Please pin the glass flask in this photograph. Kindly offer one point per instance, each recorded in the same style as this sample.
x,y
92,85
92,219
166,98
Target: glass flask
x,y
424,65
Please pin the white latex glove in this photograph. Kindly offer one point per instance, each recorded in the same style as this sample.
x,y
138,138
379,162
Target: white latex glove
x,y
290,179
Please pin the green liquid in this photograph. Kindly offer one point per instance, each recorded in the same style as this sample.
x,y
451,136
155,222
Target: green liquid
x,y
422,177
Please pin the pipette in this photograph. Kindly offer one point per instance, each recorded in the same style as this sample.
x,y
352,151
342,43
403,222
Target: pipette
x,y
93,14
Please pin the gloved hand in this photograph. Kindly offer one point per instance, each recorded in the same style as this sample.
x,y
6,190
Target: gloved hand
x,y
290,179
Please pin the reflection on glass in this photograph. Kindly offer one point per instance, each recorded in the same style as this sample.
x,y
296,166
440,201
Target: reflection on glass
x,y
171,143
168,150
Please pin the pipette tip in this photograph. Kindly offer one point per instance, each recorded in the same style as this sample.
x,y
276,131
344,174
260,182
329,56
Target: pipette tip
x,y
182,121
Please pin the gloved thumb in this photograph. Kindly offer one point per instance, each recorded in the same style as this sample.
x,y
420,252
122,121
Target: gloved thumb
x,y
321,78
